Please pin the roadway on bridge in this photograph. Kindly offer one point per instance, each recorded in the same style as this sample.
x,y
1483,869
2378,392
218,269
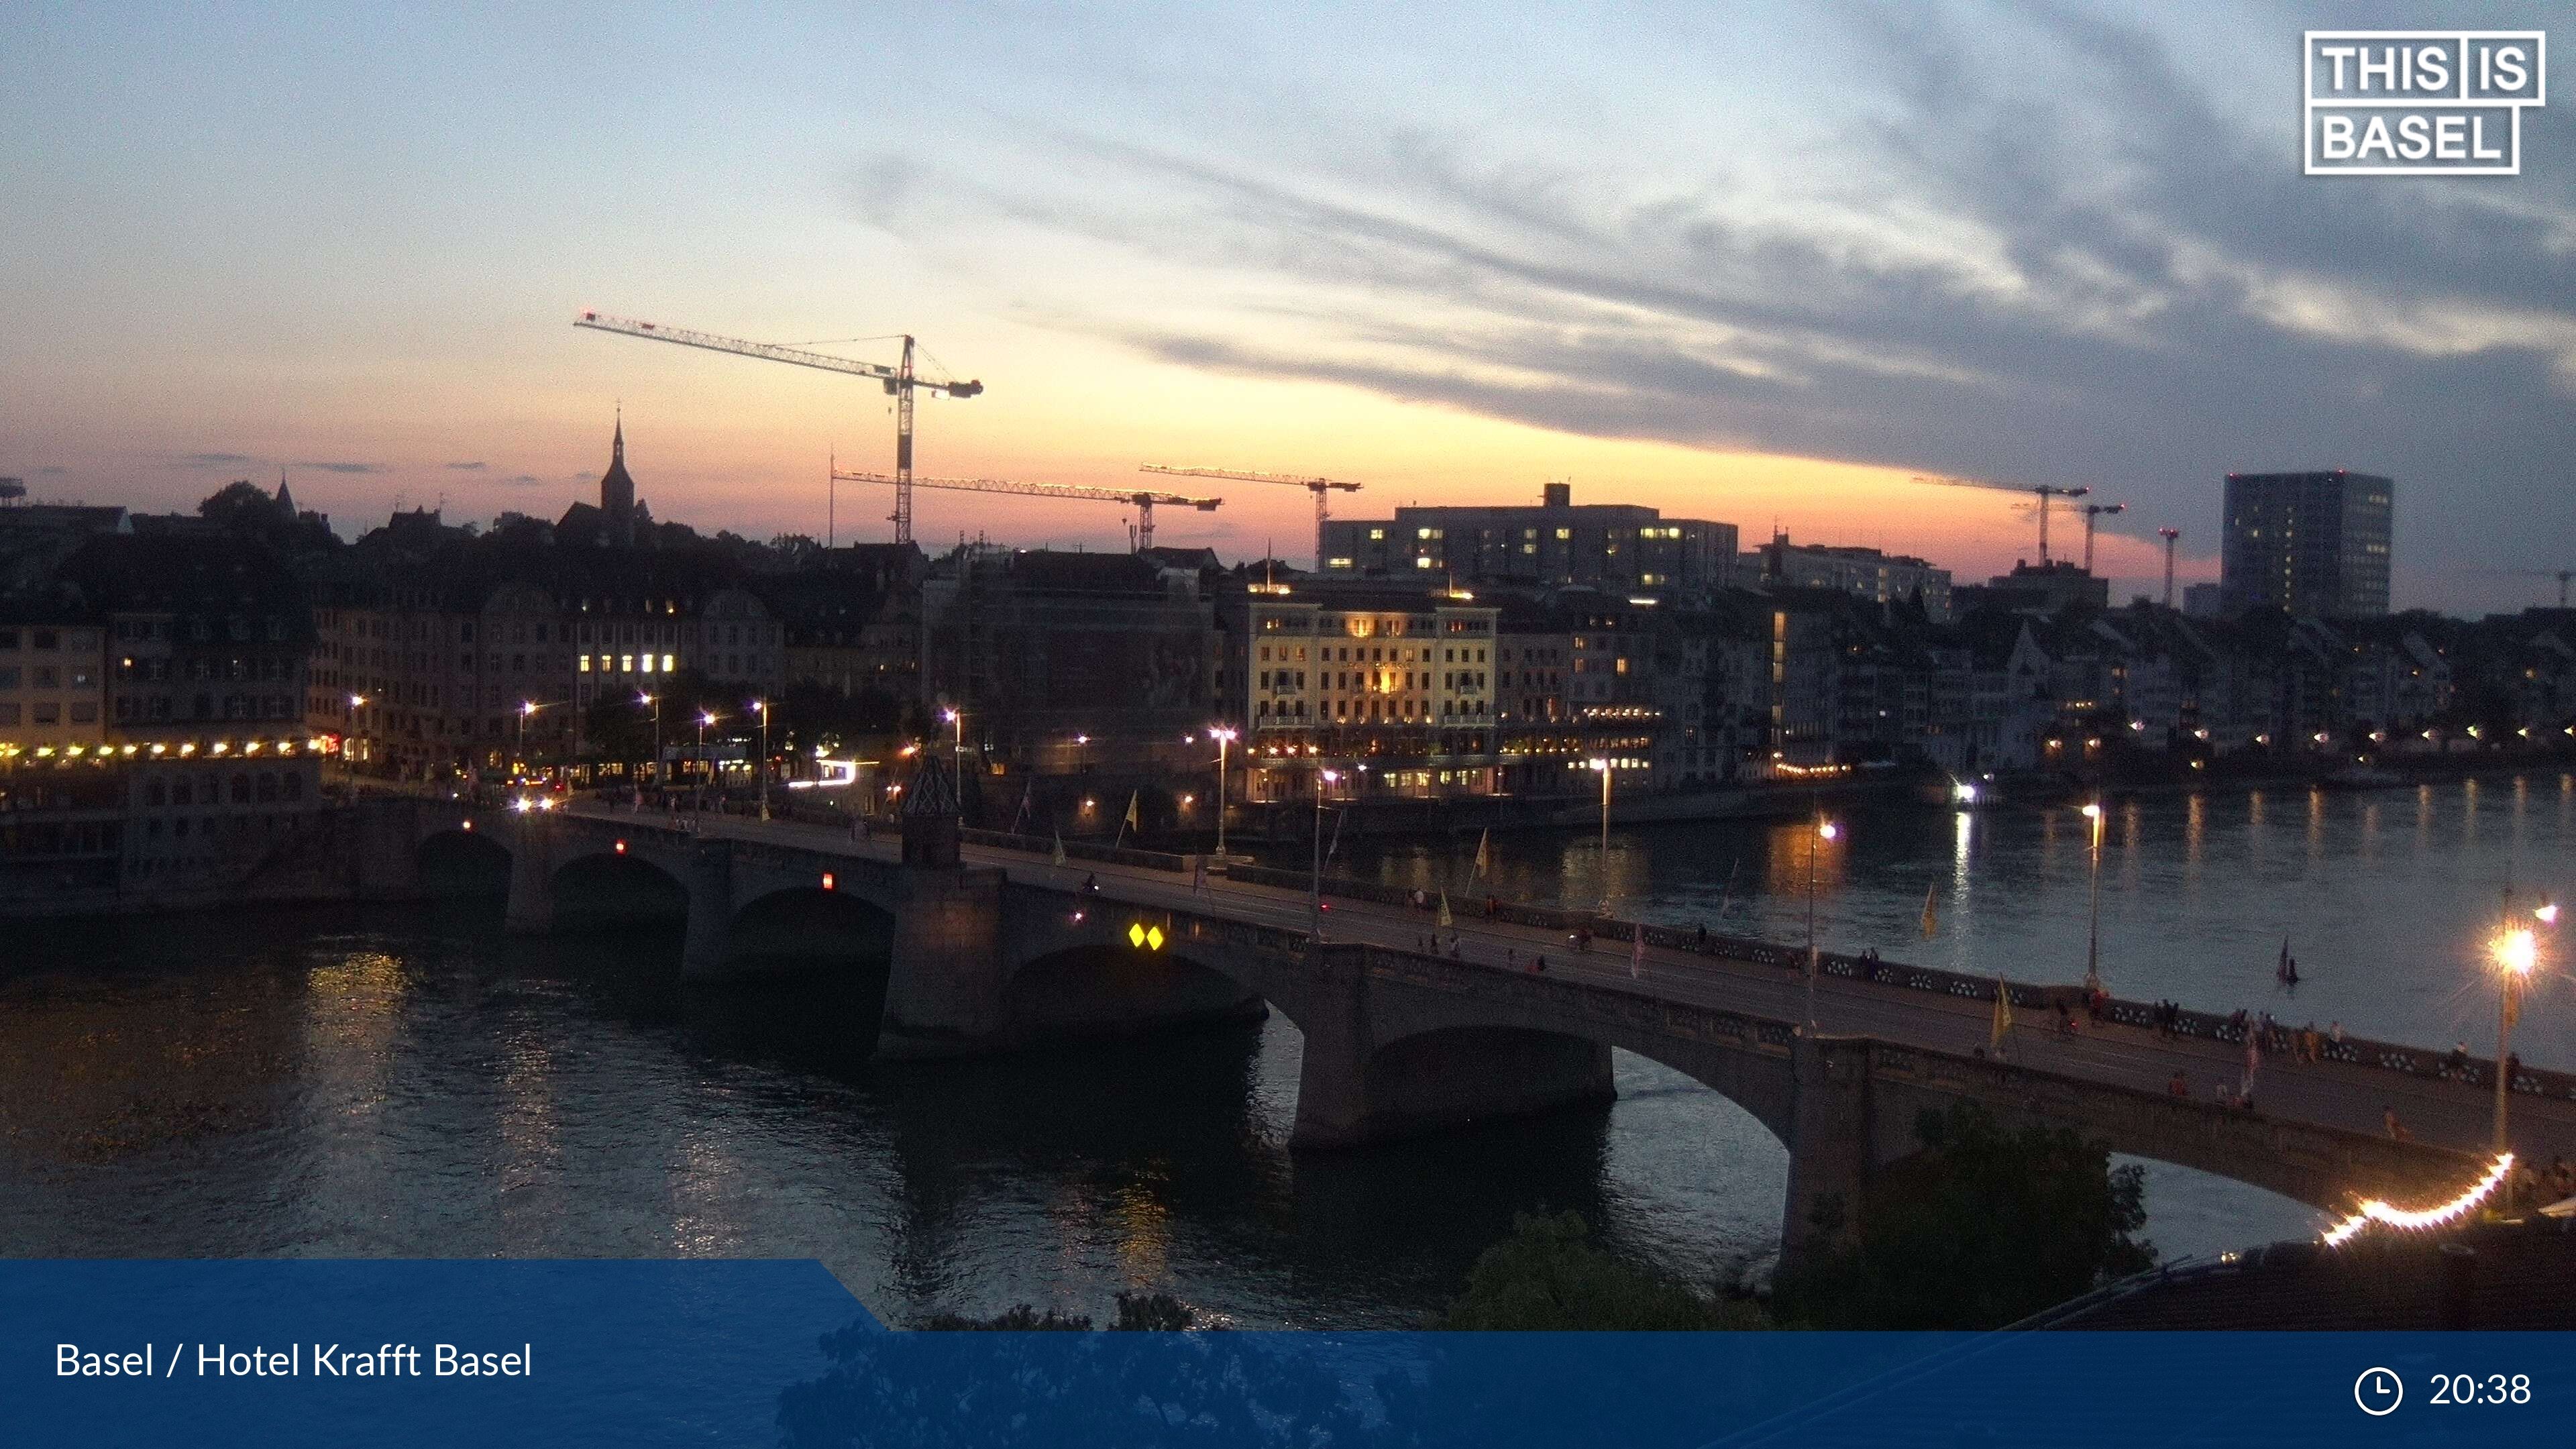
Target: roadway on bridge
x,y
2336,1094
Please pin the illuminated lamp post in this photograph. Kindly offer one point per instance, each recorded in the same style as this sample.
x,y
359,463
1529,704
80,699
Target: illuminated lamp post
x,y
1826,831
1224,735
2516,953
1602,764
1315,898
762,706
2093,926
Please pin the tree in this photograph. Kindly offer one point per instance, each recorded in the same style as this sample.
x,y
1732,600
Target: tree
x,y
1547,1276
1981,1229
242,506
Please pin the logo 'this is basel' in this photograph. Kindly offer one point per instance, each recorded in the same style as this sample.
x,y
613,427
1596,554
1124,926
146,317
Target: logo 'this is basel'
x,y
2421,102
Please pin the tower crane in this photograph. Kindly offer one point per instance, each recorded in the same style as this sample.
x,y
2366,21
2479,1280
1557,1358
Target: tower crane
x,y
900,382
2093,511
2561,575
1320,487
1143,499
2043,490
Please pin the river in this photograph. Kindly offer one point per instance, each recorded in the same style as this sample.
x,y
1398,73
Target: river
x,y
412,1082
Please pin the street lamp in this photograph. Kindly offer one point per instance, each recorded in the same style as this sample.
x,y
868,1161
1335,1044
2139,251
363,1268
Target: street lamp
x,y
1825,833
2093,928
1603,765
1223,735
1082,754
705,718
656,702
2516,951
527,711
1315,901
762,706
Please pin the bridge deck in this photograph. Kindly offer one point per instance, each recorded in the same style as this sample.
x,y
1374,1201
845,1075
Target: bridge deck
x,y
2344,1095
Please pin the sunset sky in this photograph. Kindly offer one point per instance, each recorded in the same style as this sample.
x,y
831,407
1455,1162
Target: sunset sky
x,y
1753,263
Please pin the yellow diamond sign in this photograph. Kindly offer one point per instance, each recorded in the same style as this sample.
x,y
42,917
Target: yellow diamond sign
x,y
1153,938
1136,935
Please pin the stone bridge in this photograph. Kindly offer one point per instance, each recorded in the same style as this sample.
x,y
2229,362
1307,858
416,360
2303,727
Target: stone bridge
x,y
1398,1042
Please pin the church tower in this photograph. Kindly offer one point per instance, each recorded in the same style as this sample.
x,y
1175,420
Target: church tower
x,y
617,491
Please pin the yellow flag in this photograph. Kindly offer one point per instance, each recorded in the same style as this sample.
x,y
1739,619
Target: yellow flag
x,y
1931,910
1444,908
1484,861
1132,822
2003,1015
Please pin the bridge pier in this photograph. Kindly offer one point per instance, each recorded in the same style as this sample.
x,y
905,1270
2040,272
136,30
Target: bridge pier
x,y
531,911
944,984
707,945
1832,1144
1369,1076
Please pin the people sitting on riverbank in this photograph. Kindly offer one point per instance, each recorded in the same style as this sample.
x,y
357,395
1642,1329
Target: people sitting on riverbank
x,y
2179,1086
2396,1130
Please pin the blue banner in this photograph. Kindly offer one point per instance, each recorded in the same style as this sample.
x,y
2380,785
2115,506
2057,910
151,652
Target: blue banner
x,y
721,1353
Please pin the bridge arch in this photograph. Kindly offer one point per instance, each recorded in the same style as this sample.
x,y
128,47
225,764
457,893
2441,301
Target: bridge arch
x,y
457,861
805,925
607,890
1111,987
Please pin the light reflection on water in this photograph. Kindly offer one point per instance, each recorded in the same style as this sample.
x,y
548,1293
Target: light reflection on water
x,y
415,1083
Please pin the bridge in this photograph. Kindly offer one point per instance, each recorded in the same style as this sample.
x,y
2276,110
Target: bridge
x,y
1411,1028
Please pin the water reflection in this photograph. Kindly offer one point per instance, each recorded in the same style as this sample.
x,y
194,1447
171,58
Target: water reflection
x,y
420,1084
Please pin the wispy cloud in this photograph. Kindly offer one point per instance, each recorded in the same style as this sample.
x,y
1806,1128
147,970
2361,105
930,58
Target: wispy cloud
x,y
214,460
473,467
341,467
2041,250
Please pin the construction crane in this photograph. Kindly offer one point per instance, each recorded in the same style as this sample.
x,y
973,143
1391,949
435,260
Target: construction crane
x,y
2043,490
900,382
2093,511
2169,535
1320,487
1143,499
2561,575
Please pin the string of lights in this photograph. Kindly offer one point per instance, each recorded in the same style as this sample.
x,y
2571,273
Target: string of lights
x,y
2374,1211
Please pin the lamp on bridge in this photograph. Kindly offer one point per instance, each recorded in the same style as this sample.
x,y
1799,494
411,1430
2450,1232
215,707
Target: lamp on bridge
x,y
1826,833
2516,953
761,707
2093,922
1604,766
1224,735
1315,901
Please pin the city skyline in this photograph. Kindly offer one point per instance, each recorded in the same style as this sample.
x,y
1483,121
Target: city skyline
x,y
352,249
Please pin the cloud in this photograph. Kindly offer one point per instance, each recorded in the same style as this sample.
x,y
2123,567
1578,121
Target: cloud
x,y
51,470
214,460
338,467
523,480
2042,249
474,467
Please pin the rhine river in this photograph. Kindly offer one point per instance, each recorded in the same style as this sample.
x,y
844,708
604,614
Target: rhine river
x,y
411,1083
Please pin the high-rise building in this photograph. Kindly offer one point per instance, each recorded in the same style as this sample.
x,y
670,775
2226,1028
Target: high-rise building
x,y
1619,546
2312,544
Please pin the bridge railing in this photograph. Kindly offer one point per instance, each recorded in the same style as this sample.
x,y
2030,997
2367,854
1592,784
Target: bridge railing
x,y
1078,850
2282,1039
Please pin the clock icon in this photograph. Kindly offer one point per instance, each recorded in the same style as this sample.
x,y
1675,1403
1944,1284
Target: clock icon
x,y
2378,1392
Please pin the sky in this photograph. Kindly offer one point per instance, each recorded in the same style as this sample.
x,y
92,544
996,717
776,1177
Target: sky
x,y
1758,263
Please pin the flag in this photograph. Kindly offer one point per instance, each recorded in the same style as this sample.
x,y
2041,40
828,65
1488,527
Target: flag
x,y
1484,853
1931,910
1637,952
2003,1016
1132,822
1444,908
1337,833
1059,847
